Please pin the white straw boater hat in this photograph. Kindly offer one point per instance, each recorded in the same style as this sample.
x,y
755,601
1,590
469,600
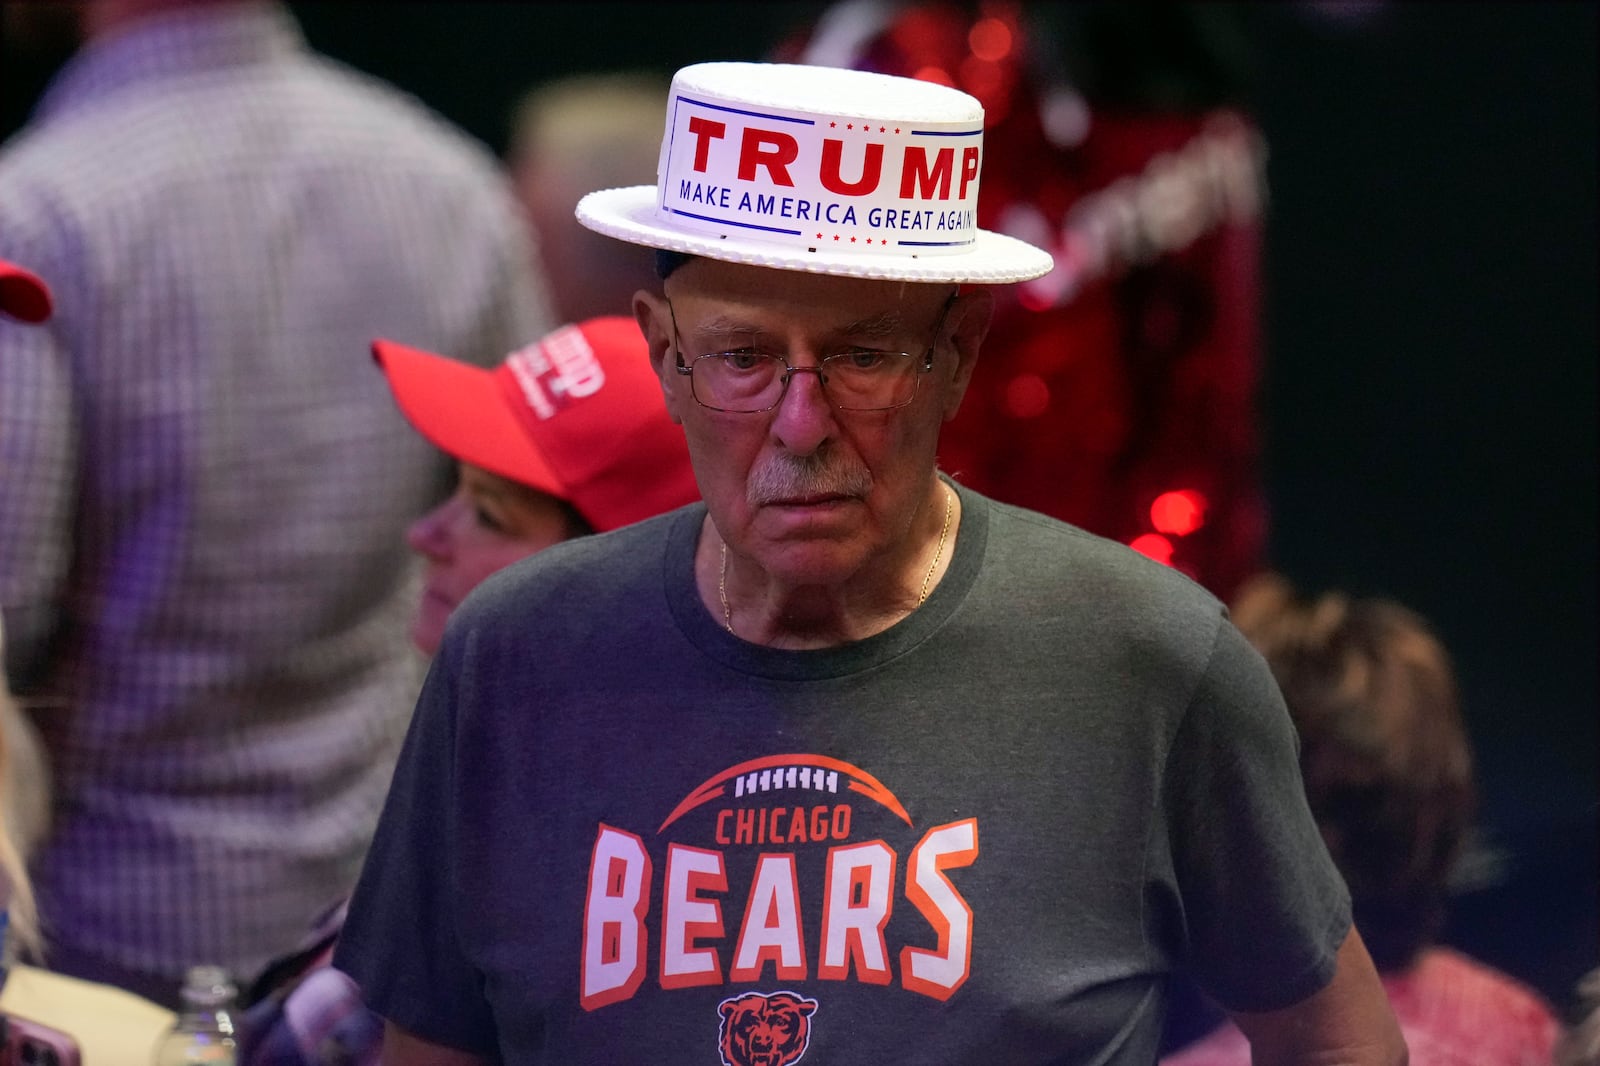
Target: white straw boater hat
x,y
818,169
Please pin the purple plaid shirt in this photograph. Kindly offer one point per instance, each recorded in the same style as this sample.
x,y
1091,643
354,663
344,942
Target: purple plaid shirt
x,y
204,482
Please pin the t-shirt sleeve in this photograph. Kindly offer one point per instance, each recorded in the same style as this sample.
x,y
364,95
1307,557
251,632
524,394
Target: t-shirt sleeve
x,y
401,940
1264,908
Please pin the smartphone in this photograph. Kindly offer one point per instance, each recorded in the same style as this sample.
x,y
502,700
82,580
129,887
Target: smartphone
x,y
28,1043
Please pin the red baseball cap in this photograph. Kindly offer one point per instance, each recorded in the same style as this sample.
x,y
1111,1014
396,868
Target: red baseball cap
x,y
23,295
577,414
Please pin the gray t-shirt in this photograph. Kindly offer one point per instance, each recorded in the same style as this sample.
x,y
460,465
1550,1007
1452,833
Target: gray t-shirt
x,y
620,834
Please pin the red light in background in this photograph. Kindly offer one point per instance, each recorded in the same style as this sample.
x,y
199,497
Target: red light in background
x,y
1179,513
990,39
1027,396
1155,546
1035,297
981,78
1137,388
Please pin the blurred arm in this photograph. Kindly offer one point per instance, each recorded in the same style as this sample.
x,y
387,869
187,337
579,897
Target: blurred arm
x,y
1347,1023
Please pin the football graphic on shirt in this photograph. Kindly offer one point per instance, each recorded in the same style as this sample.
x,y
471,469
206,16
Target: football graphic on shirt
x,y
779,773
780,868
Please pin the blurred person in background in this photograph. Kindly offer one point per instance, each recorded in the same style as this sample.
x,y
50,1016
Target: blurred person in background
x,y
25,794
203,487
568,437
24,775
1580,1046
1388,771
569,137
110,1026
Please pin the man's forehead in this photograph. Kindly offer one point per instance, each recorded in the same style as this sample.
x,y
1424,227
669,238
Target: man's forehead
x,y
728,321
733,291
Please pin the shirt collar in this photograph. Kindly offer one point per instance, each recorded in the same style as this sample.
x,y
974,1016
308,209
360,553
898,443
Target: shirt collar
x,y
185,41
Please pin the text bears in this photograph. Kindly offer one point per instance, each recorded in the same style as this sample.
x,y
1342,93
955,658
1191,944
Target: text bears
x,y
856,895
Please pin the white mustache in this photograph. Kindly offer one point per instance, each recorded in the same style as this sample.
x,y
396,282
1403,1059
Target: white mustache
x,y
792,477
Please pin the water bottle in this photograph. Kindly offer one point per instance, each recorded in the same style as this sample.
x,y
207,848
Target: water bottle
x,y
203,1033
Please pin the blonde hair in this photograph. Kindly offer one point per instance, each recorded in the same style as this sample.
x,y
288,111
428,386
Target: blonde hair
x,y
573,136
605,127
24,815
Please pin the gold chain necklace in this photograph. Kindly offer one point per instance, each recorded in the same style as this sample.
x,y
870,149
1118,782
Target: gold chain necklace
x,y
922,596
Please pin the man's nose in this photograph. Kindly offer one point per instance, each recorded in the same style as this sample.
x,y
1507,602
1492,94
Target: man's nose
x,y
805,417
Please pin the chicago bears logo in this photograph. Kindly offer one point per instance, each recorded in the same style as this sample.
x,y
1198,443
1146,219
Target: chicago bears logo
x,y
761,1029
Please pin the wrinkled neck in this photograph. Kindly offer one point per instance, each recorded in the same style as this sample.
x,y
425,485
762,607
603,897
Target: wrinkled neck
x,y
764,608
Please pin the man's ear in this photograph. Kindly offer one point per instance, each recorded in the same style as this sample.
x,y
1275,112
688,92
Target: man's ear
x,y
655,322
972,312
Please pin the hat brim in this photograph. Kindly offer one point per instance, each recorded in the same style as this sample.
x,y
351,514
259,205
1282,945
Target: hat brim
x,y
629,214
23,294
463,410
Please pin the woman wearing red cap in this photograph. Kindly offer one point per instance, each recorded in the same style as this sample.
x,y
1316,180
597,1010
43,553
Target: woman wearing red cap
x,y
567,437
488,523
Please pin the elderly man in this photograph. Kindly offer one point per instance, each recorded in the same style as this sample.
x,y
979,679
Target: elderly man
x,y
846,764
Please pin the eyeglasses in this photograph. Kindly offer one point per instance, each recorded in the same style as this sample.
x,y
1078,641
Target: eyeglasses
x,y
748,381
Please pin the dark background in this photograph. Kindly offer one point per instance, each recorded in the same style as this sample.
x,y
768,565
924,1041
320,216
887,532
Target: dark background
x,y
1428,405
1430,399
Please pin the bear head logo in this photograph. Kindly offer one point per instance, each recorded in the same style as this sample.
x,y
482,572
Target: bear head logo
x,y
765,1029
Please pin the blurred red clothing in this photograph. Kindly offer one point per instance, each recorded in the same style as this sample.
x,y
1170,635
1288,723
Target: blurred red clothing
x,y
1453,1011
